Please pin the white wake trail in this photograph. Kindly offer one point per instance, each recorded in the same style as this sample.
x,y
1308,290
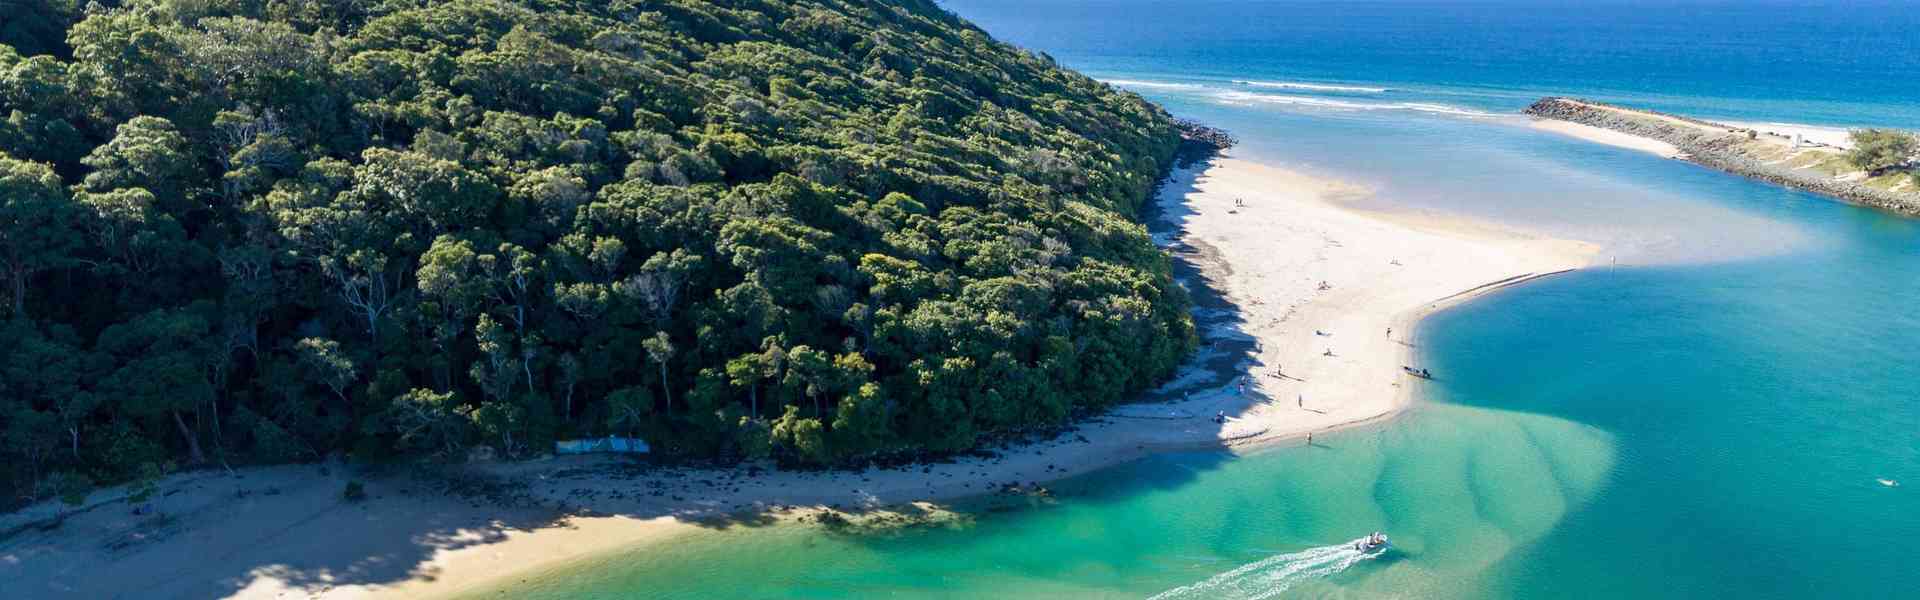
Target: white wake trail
x,y
1273,575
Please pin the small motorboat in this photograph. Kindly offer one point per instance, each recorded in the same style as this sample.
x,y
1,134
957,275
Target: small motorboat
x,y
1372,543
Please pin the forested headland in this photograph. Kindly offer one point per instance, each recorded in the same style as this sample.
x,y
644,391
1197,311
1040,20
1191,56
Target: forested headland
x,y
255,231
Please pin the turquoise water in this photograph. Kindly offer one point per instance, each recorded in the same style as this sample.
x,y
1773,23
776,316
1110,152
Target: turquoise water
x,y
1440,481
1708,419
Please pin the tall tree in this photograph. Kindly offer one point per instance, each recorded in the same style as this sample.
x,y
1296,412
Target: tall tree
x,y
660,349
37,220
328,365
160,370
147,153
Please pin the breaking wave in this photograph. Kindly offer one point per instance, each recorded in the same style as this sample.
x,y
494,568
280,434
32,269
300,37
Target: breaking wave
x,y
1247,98
1158,85
1318,87
1272,576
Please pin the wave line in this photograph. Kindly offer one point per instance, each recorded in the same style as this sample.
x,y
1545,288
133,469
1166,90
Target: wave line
x,y
1321,87
1152,84
1328,103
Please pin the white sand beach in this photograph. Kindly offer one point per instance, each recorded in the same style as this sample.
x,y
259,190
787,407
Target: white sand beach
x,y
1837,137
1607,136
1315,357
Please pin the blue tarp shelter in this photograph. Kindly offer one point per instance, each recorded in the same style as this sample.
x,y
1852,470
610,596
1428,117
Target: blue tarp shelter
x,y
617,445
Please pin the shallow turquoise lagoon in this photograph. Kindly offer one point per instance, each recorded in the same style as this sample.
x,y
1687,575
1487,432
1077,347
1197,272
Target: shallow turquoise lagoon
x,y
1461,489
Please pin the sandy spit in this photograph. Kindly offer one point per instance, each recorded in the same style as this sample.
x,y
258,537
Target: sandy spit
x,y
1608,137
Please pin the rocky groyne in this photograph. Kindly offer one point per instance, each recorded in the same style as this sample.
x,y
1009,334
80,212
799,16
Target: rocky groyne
x,y
1722,147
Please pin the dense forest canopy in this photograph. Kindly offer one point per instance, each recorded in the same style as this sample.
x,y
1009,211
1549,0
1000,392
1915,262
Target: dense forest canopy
x,y
818,230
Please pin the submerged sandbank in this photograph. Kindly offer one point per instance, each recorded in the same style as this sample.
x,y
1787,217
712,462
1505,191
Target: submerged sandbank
x,y
1311,303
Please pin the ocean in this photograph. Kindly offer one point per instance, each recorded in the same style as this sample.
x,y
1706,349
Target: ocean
x,y
1709,412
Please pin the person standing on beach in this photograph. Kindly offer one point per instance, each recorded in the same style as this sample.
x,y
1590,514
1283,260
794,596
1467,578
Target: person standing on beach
x,y
1389,333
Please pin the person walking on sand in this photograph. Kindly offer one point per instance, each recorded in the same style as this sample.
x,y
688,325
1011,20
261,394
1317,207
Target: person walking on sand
x,y
1300,401
1389,333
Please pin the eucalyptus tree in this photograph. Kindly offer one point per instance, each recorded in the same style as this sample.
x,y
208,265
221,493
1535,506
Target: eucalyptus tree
x,y
37,226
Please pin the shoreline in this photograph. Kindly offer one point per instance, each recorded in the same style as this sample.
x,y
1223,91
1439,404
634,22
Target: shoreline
x,y
1779,154
1256,271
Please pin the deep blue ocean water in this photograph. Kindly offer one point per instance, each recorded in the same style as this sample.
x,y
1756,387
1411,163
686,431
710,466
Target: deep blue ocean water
x,y
1709,417
1832,62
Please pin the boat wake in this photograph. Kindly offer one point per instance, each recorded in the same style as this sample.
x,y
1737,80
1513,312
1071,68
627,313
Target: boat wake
x,y
1273,575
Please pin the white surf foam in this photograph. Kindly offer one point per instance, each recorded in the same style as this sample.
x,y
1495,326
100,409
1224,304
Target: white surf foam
x,y
1273,575
1247,98
1158,85
1318,87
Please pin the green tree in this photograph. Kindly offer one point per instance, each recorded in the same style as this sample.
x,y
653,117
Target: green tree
x,y
427,419
1880,150
327,364
38,26
660,350
135,234
750,370
50,368
628,409
147,153
754,438
160,370
805,437
431,194
36,225
498,366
